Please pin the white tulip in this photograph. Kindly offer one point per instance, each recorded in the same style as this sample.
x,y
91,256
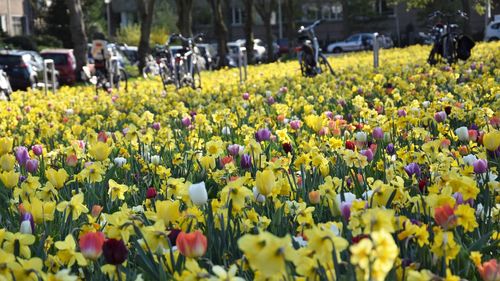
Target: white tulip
x,y
155,160
120,161
26,227
257,196
226,131
348,196
360,136
426,104
198,193
462,133
469,159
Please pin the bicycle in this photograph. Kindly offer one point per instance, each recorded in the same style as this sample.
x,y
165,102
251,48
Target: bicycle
x,y
112,76
311,60
448,44
186,69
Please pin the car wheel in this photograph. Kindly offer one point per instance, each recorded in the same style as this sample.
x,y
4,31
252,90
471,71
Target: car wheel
x,y
337,50
492,39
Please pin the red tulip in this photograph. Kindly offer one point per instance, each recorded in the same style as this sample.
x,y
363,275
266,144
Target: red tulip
x,y
91,244
192,245
445,216
489,271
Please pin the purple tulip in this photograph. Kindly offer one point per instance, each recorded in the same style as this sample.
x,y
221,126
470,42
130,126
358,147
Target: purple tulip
x,y
401,113
329,115
263,135
270,100
37,149
32,165
480,166
368,153
494,154
27,223
390,149
246,96
360,90
186,121
295,124
156,126
234,149
412,169
378,133
22,155
345,210
246,161
440,116
459,198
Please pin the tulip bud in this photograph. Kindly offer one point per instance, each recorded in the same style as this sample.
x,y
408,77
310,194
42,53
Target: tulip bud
x,y
401,113
155,160
91,245
246,161
226,130
445,216
172,236
234,149
198,193
115,252
360,136
287,147
186,121
102,136
96,210
390,149
257,196
378,133
295,124
315,197
151,193
469,159
491,140
462,134
246,96
368,153
120,161
37,149
156,126
27,224
32,165
440,116
192,245
263,135
71,160
22,155
412,169
480,166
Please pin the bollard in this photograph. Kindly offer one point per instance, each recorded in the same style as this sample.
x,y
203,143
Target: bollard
x,y
49,64
242,63
375,50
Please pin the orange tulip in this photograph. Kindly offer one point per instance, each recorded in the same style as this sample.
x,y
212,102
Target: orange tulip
x,y
192,245
91,244
445,216
489,271
314,197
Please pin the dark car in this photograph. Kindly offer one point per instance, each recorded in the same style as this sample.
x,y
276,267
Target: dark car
x,y
21,69
64,62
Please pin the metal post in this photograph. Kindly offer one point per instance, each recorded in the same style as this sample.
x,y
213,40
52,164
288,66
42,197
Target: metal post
x,y
45,78
108,16
240,64
113,68
398,31
280,21
49,64
487,14
375,50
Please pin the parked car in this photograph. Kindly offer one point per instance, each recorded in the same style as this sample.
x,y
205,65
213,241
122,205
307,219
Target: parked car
x,y
64,62
131,52
208,53
492,32
259,49
5,88
359,42
283,46
24,68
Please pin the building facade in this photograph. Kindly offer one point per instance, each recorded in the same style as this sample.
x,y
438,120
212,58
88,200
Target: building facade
x,y
15,17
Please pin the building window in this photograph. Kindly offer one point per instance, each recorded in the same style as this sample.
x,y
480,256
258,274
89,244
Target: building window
x,y
310,12
331,11
238,16
17,25
382,8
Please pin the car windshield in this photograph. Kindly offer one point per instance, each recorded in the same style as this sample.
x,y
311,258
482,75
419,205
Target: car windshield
x,y
353,38
9,60
59,59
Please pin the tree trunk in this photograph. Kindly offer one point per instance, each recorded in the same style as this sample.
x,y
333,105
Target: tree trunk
x,y
184,13
291,29
146,8
78,35
220,31
269,39
466,8
265,9
249,29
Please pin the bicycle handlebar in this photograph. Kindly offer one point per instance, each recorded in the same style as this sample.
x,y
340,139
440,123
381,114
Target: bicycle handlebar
x,y
312,26
438,13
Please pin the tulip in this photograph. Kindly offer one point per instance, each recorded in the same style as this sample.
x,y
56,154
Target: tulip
x,y
445,216
401,113
151,193
22,155
156,126
378,133
390,149
469,159
263,135
295,124
270,100
459,198
155,160
186,121
234,149
489,271
315,197
91,245
96,210
440,116
480,166
345,210
368,153
115,252
102,136
198,193
472,135
226,130
27,224
191,245
246,96
172,236
32,165
120,161
462,134
491,140
5,145
265,182
412,169
246,161
360,136
287,147
71,160
350,145
37,149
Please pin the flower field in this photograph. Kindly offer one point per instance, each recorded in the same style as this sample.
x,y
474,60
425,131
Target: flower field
x,y
367,175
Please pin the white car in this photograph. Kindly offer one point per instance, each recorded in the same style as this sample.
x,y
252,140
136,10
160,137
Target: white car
x,y
357,42
492,32
259,49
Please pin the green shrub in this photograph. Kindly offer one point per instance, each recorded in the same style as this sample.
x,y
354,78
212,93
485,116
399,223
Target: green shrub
x,y
131,35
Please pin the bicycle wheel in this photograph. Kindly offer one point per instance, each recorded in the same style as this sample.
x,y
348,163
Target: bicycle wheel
x,y
325,65
432,59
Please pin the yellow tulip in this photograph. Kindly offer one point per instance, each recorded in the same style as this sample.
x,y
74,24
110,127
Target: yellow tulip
x,y
5,145
7,162
168,211
57,178
265,182
9,179
100,151
491,140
